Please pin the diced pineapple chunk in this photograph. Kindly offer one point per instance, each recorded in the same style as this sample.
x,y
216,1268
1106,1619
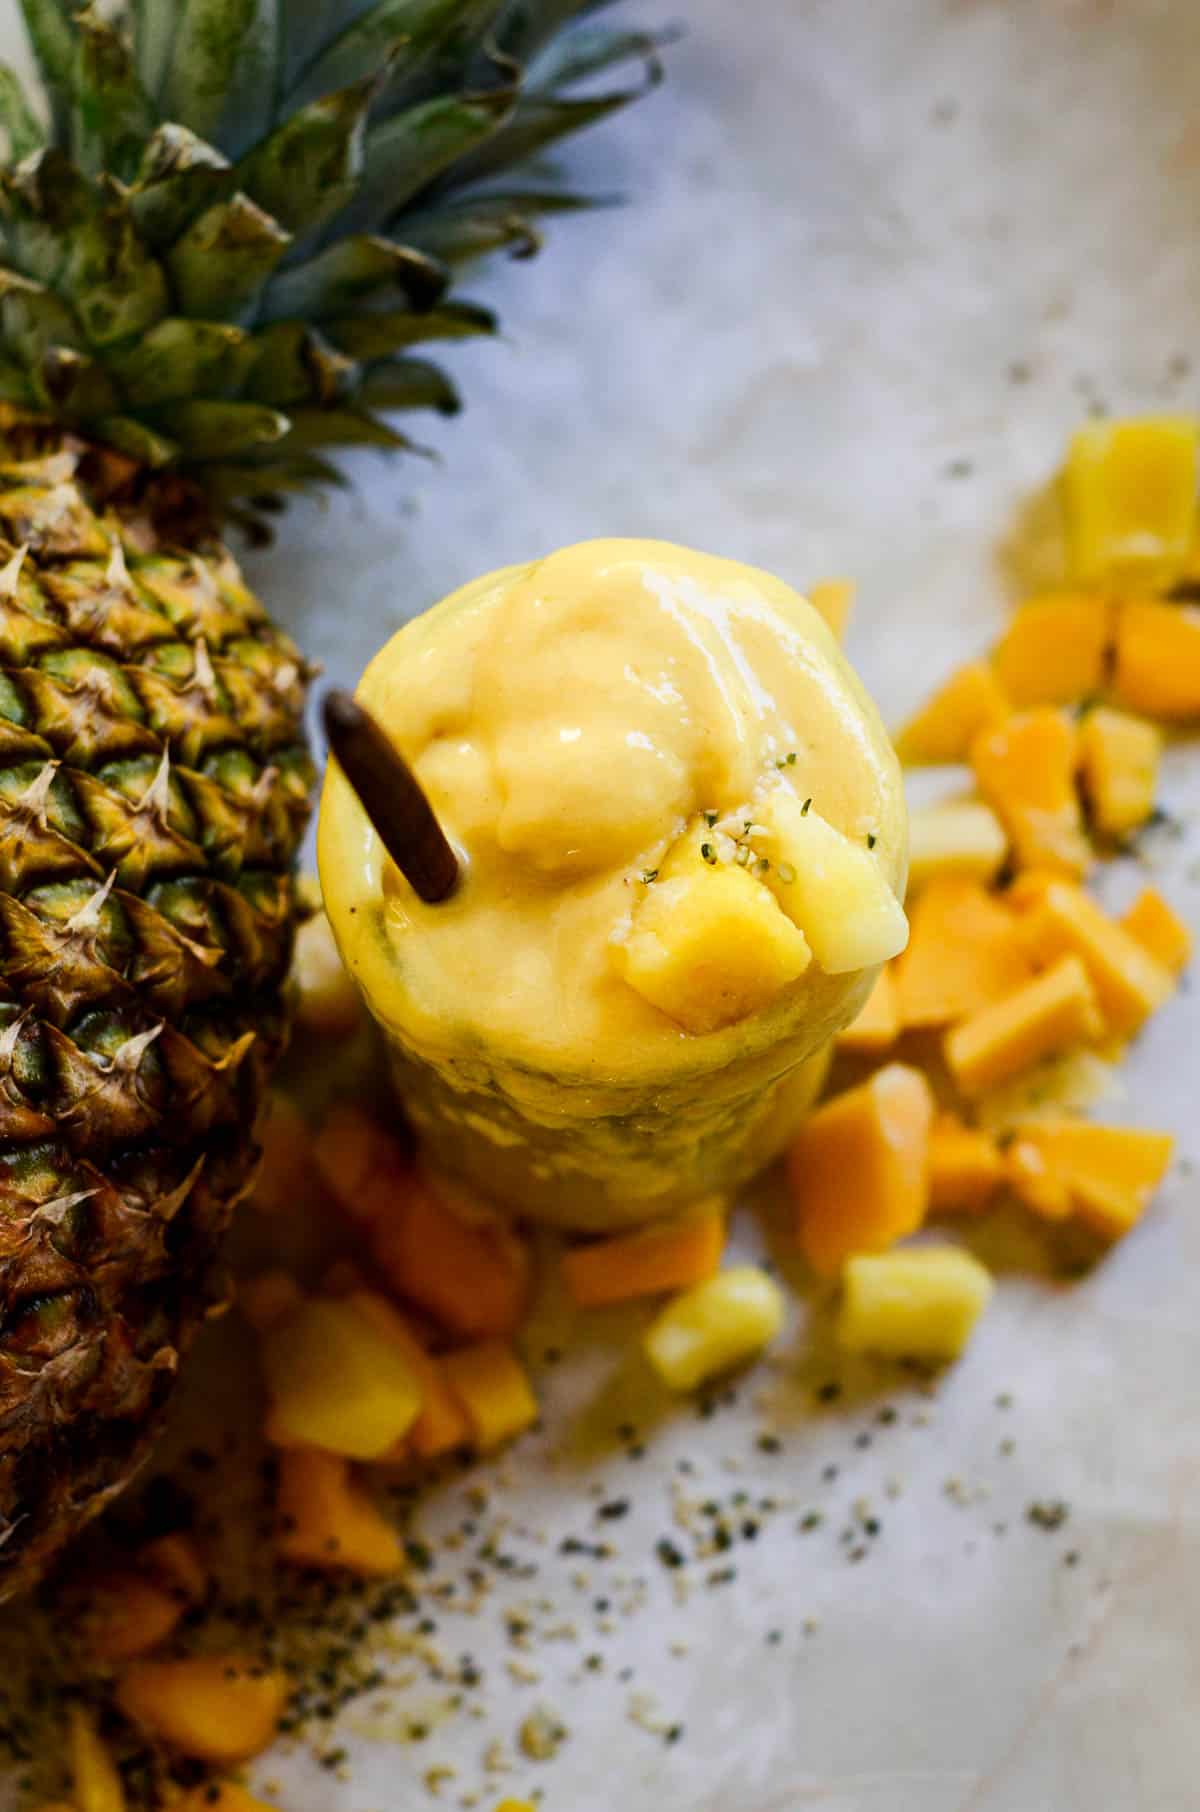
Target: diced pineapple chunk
x,y
337,1382
709,946
493,1388
916,1304
831,887
1129,490
714,1326
963,838
1119,757
329,1002
222,1709
95,1782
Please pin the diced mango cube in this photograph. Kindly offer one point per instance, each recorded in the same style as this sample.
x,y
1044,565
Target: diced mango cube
x,y
648,1262
1118,759
1158,659
222,1709
921,1303
1032,1182
441,1424
365,1169
966,1167
1129,983
964,951
454,1257
337,1382
1050,1014
831,887
970,701
714,1326
877,1024
1055,649
960,838
858,1169
1129,491
329,1003
96,1784
327,1519
175,1563
1109,1172
1025,770
1159,930
125,1615
709,946
833,599
493,1387
284,1181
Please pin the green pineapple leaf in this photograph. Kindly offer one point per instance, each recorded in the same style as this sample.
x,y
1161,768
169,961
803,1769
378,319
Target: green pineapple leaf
x,y
179,358
492,222
310,167
111,115
217,430
220,73
409,384
409,151
179,176
219,265
349,271
293,364
375,336
415,28
17,118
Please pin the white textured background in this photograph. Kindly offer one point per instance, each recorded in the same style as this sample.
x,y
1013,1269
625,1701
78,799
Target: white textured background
x,y
849,223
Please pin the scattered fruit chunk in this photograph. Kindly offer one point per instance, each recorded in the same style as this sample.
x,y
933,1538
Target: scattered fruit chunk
x,y
222,1709
961,838
127,1615
1158,659
219,1796
971,700
329,1003
1028,889
1159,930
831,887
493,1387
1055,650
175,1563
365,1169
516,1805
1049,1014
965,1166
1129,983
1129,494
448,1254
833,599
858,1169
714,1326
1031,1181
1118,759
1025,769
921,1303
441,1424
328,1520
95,1782
964,951
878,1022
1109,1172
648,1262
708,944
284,1179
336,1382
267,1297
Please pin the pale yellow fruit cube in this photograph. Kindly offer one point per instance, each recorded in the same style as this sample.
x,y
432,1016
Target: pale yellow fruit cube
x,y
716,1325
1119,757
337,1382
95,1781
920,1303
962,837
329,1001
709,945
831,887
1129,490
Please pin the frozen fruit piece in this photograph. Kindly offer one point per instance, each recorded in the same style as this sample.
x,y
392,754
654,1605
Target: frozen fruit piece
x,y
1055,649
452,1256
1025,770
95,1782
831,887
648,1262
965,1166
833,599
337,1382
1158,660
1050,1014
1109,1173
943,730
964,951
328,1520
1118,760
222,1709
917,1304
1129,491
1159,930
962,839
714,1326
1129,983
493,1387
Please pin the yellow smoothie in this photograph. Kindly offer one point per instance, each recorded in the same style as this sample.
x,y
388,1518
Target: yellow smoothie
x,y
684,845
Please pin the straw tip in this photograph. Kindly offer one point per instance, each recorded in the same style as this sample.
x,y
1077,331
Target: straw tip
x,y
340,713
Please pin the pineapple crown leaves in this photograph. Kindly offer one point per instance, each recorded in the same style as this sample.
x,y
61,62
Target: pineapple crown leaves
x,y
239,217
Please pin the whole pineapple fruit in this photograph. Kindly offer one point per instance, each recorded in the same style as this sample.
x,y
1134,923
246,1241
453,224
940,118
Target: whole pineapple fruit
x,y
215,258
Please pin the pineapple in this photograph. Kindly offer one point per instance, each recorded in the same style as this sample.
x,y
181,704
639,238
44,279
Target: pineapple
x,y
216,256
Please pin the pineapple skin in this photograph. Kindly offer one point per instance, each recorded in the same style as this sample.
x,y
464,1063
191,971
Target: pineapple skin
x,y
154,784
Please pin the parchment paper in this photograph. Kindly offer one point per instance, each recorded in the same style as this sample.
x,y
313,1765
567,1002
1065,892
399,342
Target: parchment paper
x,y
879,260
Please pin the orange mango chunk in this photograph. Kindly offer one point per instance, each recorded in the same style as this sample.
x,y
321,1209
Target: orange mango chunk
x,y
1025,770
267,1297
454,1258
646,1263
833,599
1130,984
970,702
1109,1173
1055,649
1043,1017
493,1387
1129,495
95,1782
1158,659
327,1519
364,1168
1031,1181
1029,888
174,1562
858,1170
127,1615
284,1180
878,1022
965,1167
964,951
1159,930
1118,761
441,1424
219,1796
222,1709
